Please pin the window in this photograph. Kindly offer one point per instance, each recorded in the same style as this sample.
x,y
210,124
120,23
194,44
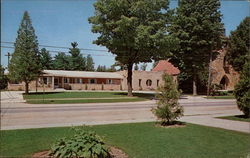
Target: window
x,y
139,82
65,80
45,80
157,83
92,81
109,81
148,82
77,80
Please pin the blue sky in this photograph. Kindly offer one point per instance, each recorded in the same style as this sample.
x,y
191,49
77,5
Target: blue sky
x,y
60,22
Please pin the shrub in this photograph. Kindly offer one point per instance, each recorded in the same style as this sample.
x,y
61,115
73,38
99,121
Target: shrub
x,y
84,144
168,109
242,91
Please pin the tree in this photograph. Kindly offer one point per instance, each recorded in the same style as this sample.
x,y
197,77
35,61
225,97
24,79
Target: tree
x,y
46,60
3,79
90,65
76,60
242,90
144,67
61,62
101,68
135,31
24,64
136,67
239,45
168,109
197,25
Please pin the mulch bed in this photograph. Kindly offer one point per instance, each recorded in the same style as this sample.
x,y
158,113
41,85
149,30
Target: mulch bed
x,y
114,152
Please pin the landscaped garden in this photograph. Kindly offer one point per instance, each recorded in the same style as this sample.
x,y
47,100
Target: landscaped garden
x,y
84,97
138,140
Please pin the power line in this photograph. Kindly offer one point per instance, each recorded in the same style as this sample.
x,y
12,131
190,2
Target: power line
x,y
98,50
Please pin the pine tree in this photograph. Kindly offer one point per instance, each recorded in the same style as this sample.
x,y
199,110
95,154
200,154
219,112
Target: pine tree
x,y
242,90
90,65
25,65
76,60
46,60
61,62
197,25
239,45
168,109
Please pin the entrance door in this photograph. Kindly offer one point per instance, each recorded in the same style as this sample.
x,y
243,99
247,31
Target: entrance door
x,y
56,83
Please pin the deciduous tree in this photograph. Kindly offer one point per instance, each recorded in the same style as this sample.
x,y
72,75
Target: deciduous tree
x,y
135,31
197,25
24,64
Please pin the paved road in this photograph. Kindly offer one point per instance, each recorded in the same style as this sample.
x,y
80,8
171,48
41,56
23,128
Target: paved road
x,y
16,115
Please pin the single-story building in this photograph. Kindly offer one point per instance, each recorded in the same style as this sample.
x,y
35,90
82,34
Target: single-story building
x,y
86,80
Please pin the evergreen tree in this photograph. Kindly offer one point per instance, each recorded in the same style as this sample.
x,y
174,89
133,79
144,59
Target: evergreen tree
x,y
24,64
61,62
101,68
135,31
239,45
242,90
90,65
168,109
136,67
3,79
197,25
46,60
144,67
76,60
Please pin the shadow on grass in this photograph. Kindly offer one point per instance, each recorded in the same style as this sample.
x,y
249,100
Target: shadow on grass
x,y
139,95
241,116
35,93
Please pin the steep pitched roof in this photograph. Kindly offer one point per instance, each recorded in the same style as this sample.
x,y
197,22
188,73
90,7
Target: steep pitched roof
x,y
166,66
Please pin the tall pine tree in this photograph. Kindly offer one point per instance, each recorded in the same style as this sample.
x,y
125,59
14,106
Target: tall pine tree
x,y
90,65
25,65
76,60
46,60
197,25
61,62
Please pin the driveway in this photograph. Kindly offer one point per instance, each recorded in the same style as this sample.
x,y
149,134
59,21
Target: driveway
x,y
18,115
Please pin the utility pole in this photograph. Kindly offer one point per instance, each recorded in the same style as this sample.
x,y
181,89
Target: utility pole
x,y
8,54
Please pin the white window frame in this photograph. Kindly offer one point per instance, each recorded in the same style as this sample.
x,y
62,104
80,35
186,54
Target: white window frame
x,y
109,82
92,79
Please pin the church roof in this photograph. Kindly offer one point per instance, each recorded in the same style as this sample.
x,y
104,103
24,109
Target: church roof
x,y
167,67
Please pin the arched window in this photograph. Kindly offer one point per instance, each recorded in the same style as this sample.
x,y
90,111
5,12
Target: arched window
x,y
224,82
148,82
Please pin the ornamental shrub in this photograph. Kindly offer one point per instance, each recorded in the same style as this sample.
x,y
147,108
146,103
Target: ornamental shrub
x,y
84,144
168,109
242,91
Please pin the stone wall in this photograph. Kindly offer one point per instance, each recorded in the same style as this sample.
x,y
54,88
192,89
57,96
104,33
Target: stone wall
x,y
222,73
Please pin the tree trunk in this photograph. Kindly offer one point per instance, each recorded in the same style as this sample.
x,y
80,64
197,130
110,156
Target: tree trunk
x,y
26,88
129,80
194,84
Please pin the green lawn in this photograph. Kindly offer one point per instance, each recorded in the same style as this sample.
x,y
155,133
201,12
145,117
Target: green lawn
x,y
54,101
138,140
236,118
84,97
221,97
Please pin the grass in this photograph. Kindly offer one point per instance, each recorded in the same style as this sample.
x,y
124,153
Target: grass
x,y
140,140
236,118
221,97
65,101
84,97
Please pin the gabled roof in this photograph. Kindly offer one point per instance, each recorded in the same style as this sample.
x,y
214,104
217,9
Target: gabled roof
x,y
82,74
167,67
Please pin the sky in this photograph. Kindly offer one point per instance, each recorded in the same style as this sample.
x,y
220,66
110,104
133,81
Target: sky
x,y
60,22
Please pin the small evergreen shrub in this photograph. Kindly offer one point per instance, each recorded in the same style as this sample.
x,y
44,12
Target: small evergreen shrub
x,y
242,91
168,109
84,144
